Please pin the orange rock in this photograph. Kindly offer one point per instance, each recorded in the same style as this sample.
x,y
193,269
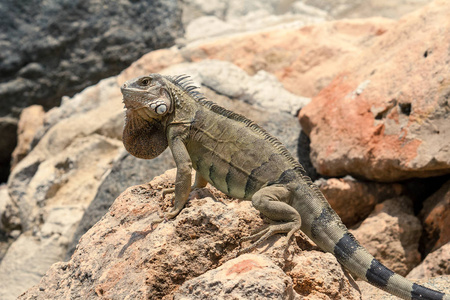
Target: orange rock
x,y
385,117
303,59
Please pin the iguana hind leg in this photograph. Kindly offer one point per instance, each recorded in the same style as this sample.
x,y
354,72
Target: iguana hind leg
x,y
272,201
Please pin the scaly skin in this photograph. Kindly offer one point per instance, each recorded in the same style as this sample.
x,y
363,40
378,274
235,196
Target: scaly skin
x,y
243,161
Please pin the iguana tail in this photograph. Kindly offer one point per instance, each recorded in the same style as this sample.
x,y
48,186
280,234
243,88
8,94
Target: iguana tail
x,y
339,241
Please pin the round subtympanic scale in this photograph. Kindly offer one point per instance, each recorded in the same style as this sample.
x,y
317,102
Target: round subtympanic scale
x,y
161,109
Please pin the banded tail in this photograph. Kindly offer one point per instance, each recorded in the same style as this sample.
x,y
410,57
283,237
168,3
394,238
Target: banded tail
x,y
355,258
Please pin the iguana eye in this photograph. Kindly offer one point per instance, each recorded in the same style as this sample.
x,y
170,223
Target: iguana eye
x,y
145,81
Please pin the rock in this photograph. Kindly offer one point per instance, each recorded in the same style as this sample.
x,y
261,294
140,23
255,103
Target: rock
x,y
248,276
435,217
8,132
318,275
391,234
364,9
93,40
54,48
9,221
126,171
436,263
31,119
369,292
400,130
354,200
121,256
303,58
154,263
60,177
29,257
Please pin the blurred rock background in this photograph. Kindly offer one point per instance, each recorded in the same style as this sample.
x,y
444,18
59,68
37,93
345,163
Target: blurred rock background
x,y
374,135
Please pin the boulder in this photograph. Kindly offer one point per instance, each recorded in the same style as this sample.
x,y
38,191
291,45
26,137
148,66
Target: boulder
x,y
303,58
388,106
436,263
317,275
52,186
248,276
123,256
52,48
391,234
354,200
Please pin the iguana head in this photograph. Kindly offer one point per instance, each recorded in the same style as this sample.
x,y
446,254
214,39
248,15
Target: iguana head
x,y
147,104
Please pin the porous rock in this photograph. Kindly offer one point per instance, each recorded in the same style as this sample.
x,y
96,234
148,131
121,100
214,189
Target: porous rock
x,y
435,264
318,275
388,110
121,256
391,234
248,276
354,200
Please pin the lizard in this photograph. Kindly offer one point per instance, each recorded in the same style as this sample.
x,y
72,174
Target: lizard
x,y
244,161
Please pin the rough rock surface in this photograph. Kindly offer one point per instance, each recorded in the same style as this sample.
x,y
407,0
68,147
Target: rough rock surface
x,y
31,119
391,234
57,180
435,264
386,110
354,200
53,48
122,257
248,276
435,217
303,58
311,282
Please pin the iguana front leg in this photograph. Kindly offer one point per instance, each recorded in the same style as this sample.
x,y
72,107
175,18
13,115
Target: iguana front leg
x,y
272,202
199,183
182,181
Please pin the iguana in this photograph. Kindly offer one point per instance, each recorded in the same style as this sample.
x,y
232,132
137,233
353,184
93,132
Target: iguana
x,y
243,161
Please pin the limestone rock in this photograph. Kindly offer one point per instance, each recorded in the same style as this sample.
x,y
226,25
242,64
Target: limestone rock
x,y
435,264
248,276
121,256
354,200
400,130
391,234
435,217
303,58
31,119
318,275
59,178
31,255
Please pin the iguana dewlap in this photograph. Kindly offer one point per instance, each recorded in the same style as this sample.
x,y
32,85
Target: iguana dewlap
x,y
242,160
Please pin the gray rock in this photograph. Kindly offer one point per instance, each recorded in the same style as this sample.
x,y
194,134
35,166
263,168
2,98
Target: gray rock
x,y
58,47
